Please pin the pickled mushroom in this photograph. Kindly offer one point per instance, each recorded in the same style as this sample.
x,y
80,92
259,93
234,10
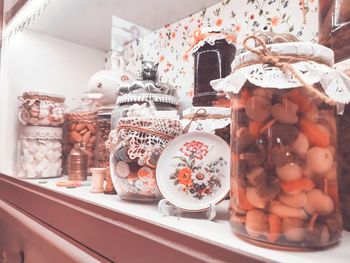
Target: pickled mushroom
x,y
256,223
301,145
319,160
287,211
283,114
289,172
258,108
318,202
255,199
242,140
281,155
293,229
255,155
297,201
318,236
264,93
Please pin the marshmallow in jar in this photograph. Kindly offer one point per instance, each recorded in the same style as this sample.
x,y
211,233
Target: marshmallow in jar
x,y
284,189
39,152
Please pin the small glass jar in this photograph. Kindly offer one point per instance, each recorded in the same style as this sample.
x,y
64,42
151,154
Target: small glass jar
x,y
159,102
136,146
39,152
80,127
213,56
101,151
209,119
41,109
284,190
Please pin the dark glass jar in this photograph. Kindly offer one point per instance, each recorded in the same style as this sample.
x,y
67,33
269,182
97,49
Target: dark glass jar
x,y
212,60
334,26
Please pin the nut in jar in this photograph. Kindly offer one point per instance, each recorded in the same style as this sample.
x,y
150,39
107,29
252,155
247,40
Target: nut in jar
x,y
135,146
284,187
41,109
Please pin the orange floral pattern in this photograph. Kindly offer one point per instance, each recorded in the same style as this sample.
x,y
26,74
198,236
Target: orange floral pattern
x,y
169,44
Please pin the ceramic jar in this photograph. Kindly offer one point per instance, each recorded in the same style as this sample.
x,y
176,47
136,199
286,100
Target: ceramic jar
x,y
284,189
41,109
107,81
136,146
39,152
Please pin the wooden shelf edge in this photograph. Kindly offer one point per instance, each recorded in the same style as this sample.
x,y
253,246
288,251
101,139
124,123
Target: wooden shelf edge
x,y
116,236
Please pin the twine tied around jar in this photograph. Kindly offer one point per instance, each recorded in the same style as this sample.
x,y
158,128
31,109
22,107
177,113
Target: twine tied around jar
x,y
81,116
201,114
283,62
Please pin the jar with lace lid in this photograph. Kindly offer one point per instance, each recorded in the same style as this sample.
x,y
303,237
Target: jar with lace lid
x,y
41,109
159,102
284,189
39,152
135,147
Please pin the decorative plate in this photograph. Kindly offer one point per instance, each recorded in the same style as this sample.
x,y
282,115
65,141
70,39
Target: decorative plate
x,y
193,171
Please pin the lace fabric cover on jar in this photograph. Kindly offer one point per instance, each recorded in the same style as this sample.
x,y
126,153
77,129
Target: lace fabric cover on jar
x,y
135,147
39,152
41,109
209,119
284,189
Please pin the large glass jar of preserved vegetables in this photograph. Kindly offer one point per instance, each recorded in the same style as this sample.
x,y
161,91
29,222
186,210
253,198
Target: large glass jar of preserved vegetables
x,y
284,189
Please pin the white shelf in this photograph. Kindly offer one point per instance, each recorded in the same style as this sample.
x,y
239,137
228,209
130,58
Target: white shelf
x,y
217,232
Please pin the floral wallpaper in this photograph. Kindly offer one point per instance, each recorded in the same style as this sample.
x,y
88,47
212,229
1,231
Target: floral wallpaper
x,y
170,44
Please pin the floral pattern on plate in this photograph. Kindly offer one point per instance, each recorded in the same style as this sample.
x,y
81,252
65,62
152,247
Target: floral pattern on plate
x,y
193,176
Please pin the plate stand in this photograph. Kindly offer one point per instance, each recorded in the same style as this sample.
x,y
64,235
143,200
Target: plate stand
x,y
167,209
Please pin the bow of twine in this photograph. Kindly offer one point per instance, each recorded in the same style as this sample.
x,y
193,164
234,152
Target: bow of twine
x,y
199,36
283,62
201,114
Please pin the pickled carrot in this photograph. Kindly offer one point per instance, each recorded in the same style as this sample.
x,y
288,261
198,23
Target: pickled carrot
x,y
254,128
297,98
312,222
303,184
242,200
315,135
274,227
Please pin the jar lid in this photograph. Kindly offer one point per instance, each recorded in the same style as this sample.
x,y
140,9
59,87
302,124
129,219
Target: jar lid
x,y
106,110
42,96
40,132
144,97
225,112
285,66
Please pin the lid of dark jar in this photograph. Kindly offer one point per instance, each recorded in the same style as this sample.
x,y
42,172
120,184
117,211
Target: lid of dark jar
x,y
144,97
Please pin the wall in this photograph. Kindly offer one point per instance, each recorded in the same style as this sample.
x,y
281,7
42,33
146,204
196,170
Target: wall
x,y
169,44
33,61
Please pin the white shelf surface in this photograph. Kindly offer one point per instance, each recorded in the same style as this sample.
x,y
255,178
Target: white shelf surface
x,y
217,232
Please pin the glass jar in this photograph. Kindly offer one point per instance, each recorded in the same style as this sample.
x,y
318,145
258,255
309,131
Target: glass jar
x,y
159,102
80,127
42,109
213,55
101,151
334,26
344,153
136,146
209,119
39,152
284,190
